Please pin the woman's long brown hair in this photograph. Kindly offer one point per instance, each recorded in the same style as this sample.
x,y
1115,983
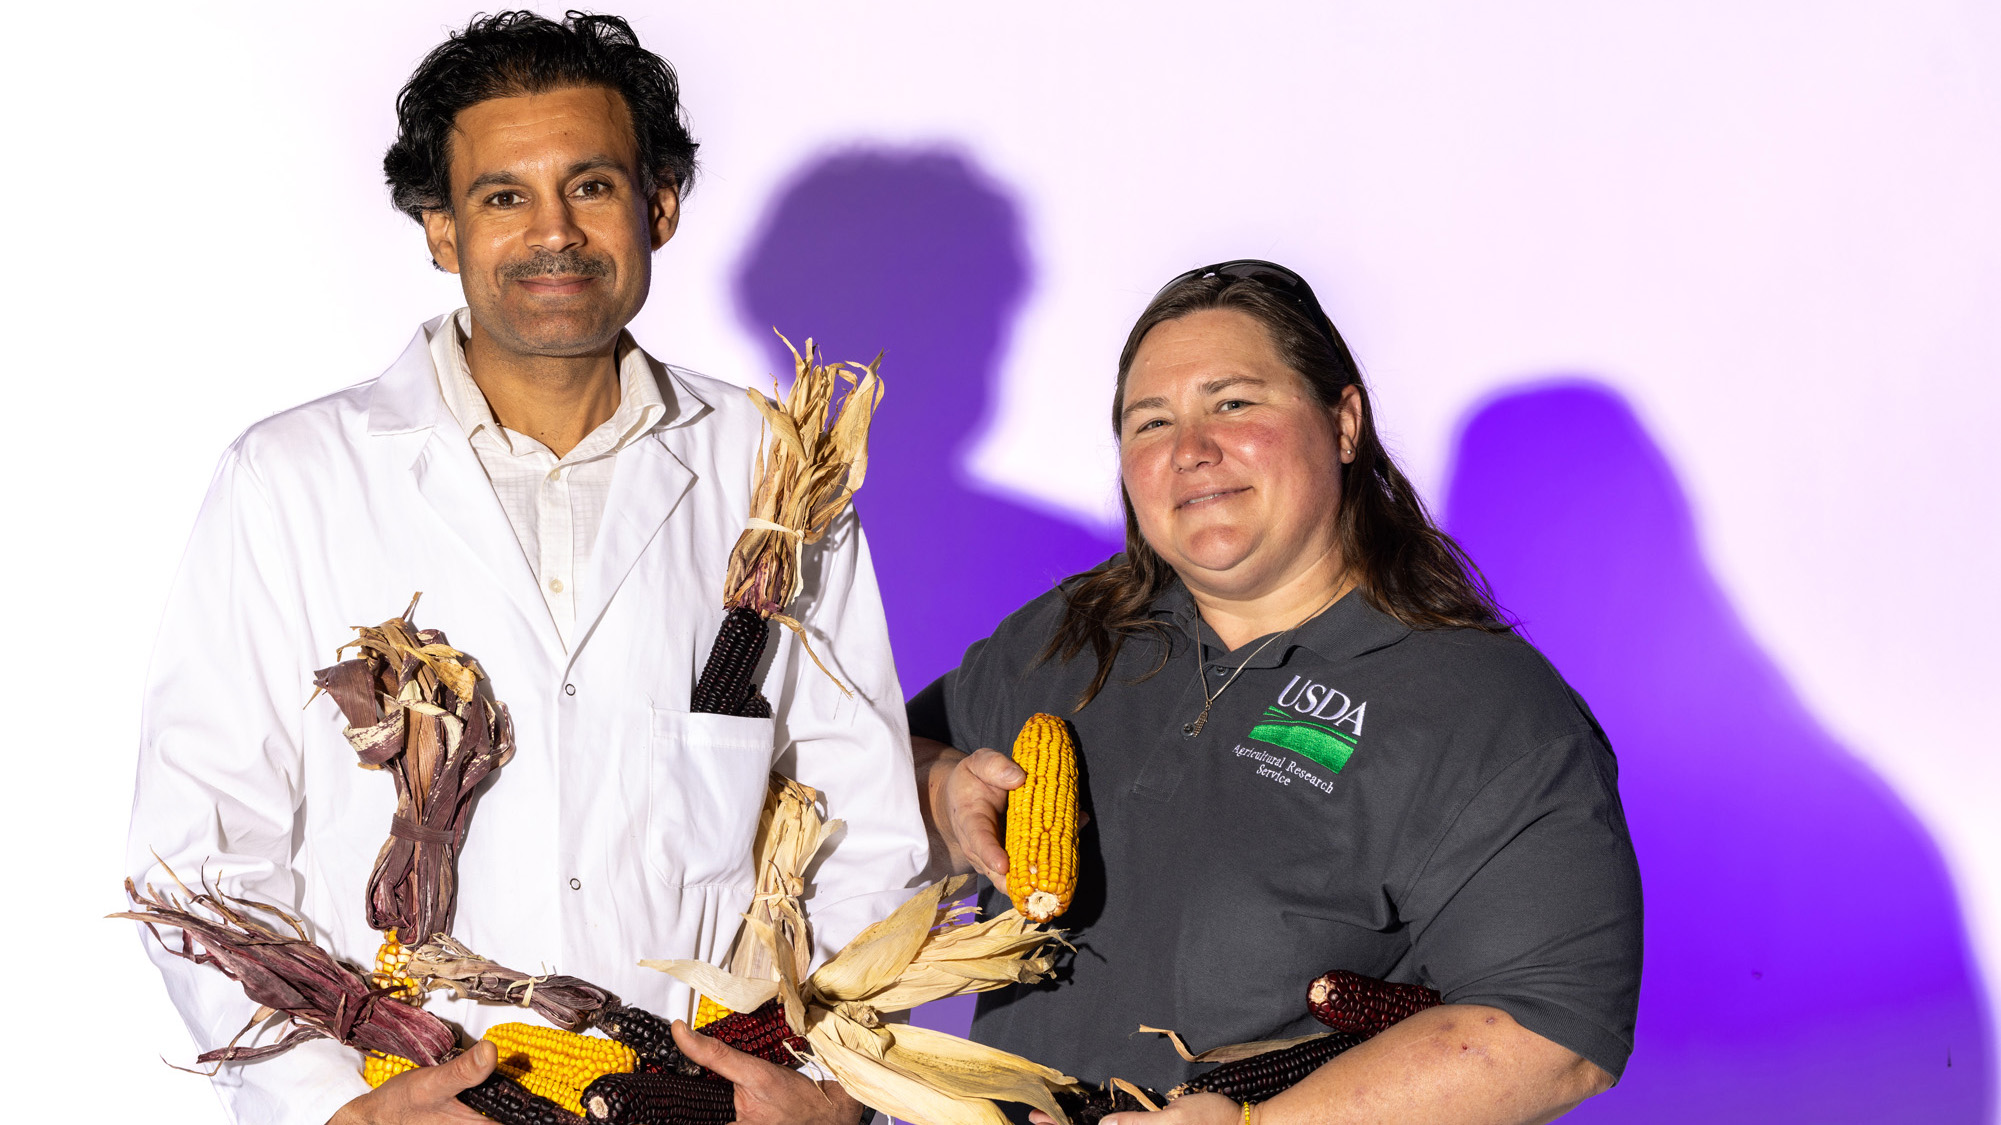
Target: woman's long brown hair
x,y
1402,562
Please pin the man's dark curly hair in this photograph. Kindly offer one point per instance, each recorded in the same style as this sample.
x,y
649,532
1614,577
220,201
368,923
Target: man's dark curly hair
x,y
513,53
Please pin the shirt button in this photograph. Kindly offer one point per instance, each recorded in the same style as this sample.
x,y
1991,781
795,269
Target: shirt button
x,y
576,884
555,474
569,689
1217,671
555,585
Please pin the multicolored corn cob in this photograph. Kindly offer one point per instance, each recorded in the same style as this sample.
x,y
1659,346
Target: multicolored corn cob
x,y
1260,1077
510,1103
1042,820
1365,1006
557,1064
707,1011
660,1099
763,1033
392,965
728,685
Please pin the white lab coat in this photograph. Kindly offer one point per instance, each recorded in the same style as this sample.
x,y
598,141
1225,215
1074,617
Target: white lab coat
x,y
622,828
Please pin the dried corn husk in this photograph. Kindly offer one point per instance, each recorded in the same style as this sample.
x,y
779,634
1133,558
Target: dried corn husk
x,y
288,975
925,950
790,832
445,964
1232,1052
424,713
813,458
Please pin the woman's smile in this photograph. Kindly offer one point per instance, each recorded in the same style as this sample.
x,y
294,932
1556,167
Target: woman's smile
x,y
1210,497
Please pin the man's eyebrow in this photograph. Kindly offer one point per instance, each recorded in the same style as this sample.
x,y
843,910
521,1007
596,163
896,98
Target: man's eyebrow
x,y
509,179
1221,383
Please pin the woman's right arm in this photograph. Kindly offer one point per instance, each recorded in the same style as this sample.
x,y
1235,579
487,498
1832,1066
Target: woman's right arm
x,y
964,799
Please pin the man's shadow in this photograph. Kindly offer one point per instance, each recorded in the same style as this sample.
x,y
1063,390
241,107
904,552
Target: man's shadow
x,y
915,253
1806,960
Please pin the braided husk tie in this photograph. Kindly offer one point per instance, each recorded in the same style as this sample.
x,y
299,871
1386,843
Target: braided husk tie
x,y
424,713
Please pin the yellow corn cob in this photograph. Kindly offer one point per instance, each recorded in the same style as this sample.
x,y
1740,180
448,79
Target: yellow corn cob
x,y
558,1064
708,1012
391,962
378,1068
1042,820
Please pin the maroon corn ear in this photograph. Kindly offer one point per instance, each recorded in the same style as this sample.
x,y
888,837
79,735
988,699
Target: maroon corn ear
x,y
1265,1076
763,1033
1359,1005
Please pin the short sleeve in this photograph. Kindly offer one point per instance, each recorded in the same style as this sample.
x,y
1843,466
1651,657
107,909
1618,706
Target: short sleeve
x,y
1530,902
928,714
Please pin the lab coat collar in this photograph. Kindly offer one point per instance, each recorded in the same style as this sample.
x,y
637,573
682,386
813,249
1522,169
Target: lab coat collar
x,y
407,398
648,481
647,484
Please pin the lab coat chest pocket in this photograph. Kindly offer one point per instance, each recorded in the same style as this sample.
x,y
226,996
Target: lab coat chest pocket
x,y
706,782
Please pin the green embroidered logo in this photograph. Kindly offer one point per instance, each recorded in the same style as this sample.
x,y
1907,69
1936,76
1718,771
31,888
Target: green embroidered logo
x,y
1304,721
1325,745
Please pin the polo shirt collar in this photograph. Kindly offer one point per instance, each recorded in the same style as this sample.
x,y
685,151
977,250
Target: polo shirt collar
x,y
1349,628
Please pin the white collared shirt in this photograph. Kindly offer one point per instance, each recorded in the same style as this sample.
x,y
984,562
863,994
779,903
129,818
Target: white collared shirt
x,y
555,504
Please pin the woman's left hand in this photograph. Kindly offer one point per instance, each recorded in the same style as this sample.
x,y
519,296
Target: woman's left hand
x,y
1189,1109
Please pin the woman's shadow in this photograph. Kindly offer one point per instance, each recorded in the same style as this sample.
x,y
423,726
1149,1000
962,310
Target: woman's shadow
x,y
1805,955
919,255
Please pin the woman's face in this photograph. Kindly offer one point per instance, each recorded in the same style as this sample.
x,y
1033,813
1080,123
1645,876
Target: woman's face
x,y
1232,466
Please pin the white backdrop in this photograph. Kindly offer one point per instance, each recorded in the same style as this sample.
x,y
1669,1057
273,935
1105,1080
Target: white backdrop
x,y
1771,227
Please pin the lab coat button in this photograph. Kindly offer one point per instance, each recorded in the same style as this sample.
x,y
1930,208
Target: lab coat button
x,y
576,885
569,689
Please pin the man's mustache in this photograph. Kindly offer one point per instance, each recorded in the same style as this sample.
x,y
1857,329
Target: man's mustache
x,y
568,263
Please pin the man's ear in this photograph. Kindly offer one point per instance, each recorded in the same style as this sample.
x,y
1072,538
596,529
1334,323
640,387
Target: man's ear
x,y
441,232
663,214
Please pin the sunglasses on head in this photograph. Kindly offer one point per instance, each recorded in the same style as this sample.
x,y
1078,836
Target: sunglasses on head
x,y
1271,276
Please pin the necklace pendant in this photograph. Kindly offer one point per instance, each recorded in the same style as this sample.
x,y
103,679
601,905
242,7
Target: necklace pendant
x,y
1190,730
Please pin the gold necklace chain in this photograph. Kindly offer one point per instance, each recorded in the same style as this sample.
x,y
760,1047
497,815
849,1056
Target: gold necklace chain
x,y
1190,730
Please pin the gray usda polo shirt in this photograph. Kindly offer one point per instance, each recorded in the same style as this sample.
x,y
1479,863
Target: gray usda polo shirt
x,y
1431,806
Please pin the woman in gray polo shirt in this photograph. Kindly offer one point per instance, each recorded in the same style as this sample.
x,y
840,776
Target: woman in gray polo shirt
x,y
1308,742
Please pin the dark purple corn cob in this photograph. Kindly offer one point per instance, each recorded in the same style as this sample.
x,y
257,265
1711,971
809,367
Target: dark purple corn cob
x,y
1091,1106
763,1033
728,685
649,1036
510,1103
1365,1006
1265,1076
660,1099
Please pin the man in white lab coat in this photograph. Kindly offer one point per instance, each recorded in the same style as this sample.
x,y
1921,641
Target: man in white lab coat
x,y
567,505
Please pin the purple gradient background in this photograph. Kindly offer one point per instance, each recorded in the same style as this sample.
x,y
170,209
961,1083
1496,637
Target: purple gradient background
x,y
1806,960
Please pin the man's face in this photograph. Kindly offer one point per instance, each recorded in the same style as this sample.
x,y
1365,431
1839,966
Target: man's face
x,y
550,230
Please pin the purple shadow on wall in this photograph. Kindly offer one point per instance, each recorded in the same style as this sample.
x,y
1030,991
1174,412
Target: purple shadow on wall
x,y
1806,960
918,254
